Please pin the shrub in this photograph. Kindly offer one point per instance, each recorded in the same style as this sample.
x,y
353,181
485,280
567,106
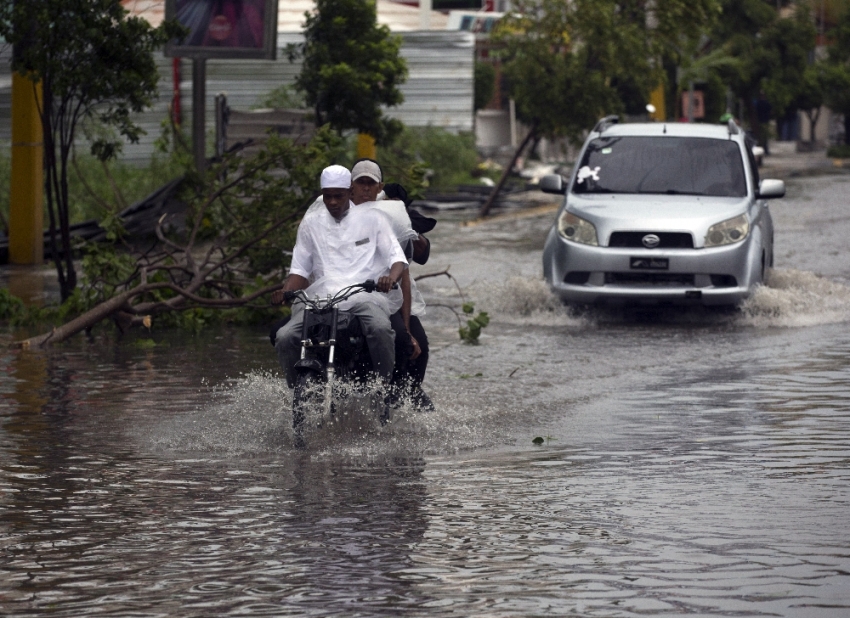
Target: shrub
x,y
10,306
450,158
98,189
841,151
282,97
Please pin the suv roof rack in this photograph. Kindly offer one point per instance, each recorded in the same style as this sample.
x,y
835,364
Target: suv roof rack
x,y
605,123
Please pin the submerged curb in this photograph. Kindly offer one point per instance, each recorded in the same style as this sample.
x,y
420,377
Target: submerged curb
x,y
533,211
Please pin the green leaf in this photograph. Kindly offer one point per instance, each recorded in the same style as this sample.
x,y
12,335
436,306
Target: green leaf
x,y
482,319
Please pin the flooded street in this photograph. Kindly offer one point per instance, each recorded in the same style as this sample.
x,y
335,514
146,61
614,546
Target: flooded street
x,y
693,462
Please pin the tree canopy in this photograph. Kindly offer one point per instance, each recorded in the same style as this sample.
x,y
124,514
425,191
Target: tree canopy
x,y
773,53
567,64
351,67
837,70
94,63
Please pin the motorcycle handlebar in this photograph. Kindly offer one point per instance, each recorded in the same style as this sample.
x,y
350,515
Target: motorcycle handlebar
x,y
345,293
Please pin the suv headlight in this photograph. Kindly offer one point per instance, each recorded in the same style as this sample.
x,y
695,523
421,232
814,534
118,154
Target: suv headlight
x,y
577,229
728,232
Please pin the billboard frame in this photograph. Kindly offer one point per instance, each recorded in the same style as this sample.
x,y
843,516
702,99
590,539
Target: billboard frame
x,y
267,52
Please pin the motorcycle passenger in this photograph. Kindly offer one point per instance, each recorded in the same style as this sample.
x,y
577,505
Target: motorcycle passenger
x,y
411,358
339,246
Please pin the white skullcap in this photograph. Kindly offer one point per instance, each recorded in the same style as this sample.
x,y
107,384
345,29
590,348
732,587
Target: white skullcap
x,y
366,168
336,177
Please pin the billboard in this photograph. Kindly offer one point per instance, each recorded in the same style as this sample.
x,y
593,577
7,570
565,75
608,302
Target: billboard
x,y
224,28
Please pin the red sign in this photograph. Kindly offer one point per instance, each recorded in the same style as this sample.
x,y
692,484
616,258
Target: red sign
x,y
699,107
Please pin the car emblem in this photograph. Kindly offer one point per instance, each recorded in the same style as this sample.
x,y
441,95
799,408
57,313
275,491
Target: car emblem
x,y
650,241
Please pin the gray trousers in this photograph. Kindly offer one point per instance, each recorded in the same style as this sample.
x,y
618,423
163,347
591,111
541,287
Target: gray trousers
x,y
374,322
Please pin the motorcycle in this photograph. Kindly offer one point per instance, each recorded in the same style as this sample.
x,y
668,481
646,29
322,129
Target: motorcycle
x,y
333,350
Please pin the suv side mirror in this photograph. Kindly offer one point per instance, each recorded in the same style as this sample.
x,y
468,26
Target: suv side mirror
x,y
552,183
770,188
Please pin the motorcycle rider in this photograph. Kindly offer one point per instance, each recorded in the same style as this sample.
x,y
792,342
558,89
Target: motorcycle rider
x,y
366,188
335,247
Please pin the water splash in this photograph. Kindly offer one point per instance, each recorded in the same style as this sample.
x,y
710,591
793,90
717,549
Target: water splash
x,y
796,298
243,416
521,300
252,415
790,298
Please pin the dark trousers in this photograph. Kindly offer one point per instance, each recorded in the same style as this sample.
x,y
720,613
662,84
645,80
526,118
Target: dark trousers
x,y
413,370
416,368
406,369
375,324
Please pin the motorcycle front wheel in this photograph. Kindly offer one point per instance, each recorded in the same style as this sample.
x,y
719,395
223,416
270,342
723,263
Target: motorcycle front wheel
x,y
307,399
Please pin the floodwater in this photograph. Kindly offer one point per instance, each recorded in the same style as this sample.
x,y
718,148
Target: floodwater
x,y
693,463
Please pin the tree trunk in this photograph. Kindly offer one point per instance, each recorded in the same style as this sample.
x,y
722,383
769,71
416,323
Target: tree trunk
x,y
56,192
495,192
89,318
113,306
847,127
813,120
65,222
49,189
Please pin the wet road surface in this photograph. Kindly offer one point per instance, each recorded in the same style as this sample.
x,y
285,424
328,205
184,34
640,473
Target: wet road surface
x,y
693,463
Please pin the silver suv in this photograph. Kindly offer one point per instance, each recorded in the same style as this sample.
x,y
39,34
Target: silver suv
x,y
661,213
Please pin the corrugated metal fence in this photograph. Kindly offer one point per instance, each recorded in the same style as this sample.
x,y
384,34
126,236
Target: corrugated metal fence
x,y
438,92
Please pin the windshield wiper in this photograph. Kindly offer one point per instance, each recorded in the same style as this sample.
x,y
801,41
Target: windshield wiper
x,y
676,192
670,192
595,190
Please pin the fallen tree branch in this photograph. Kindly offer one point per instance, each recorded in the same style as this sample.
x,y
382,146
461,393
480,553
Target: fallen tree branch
x,y
485,208
447,274
236,219
120,303
450,308
425,276
80,323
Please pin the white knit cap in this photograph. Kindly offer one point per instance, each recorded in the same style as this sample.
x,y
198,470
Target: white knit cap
x,y
336,177
369,169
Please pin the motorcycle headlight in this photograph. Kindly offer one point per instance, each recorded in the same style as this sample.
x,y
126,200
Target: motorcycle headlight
x,y
577,229
728,232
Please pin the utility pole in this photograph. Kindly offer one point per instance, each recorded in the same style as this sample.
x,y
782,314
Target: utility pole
x,y
26,199
199,109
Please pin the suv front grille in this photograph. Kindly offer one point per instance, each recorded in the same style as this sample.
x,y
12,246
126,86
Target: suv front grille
x,y
669,240
644,279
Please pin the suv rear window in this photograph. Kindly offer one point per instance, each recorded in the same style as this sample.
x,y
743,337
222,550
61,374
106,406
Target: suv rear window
x,y
667,165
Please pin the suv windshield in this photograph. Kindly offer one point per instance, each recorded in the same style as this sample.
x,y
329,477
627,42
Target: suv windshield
x,y
670,165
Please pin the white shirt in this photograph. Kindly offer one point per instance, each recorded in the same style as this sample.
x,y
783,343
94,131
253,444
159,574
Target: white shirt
x,y
394,209
396,212
333,254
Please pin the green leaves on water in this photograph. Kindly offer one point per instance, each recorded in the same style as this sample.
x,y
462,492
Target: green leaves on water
x,y
472,330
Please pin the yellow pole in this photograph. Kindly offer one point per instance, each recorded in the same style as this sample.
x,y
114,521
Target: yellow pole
x,y
657,99
366,148
26,200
